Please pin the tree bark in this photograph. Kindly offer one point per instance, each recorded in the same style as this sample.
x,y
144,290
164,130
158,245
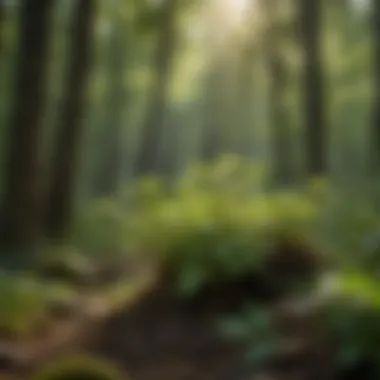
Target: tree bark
x,y
148,157
310,18
2,17
375,133
61,192
21,203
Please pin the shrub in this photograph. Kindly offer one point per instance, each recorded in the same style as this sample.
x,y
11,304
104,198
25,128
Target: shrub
x,y
255,327
22,304
79,368
218,223
349,315
349,227
25,303
220,220
352,320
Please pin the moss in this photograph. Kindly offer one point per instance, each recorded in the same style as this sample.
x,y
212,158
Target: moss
x,y
78,368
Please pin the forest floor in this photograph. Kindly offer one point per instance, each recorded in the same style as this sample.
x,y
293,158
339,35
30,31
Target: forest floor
x,y
162,338
158,336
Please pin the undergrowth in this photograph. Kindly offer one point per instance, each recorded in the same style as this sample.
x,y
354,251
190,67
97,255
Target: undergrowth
x,y
24,303
348,311
78,368
221,220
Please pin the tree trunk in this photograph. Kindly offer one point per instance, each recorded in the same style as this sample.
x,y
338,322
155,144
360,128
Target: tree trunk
x,y
375,134
109,167
60,196
21,203
148,157
2,17
310,17
279,122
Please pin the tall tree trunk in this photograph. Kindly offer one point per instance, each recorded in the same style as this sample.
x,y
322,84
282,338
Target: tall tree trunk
x,y
279,122
310,18
148,157
21,203
375,134
109,167
60,195
2,17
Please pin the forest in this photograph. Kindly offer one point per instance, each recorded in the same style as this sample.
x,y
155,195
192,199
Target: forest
x,y
190,189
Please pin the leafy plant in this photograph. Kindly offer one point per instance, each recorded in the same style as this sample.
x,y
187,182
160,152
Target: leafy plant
x,y
350,228
352,320
22,304
25,302
217,223
255,328
220,220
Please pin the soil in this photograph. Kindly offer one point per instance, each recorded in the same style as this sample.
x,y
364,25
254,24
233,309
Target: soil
x,y
162,337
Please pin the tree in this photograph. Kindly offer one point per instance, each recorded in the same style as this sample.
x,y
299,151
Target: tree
x,y
152,129
21,203
2,14
375,134
60,195
310,17
280,129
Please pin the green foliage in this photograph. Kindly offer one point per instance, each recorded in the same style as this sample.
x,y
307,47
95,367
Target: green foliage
x,y
22,304
352,320
79,368
349,315
217,222
220,220
255,327
350,227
